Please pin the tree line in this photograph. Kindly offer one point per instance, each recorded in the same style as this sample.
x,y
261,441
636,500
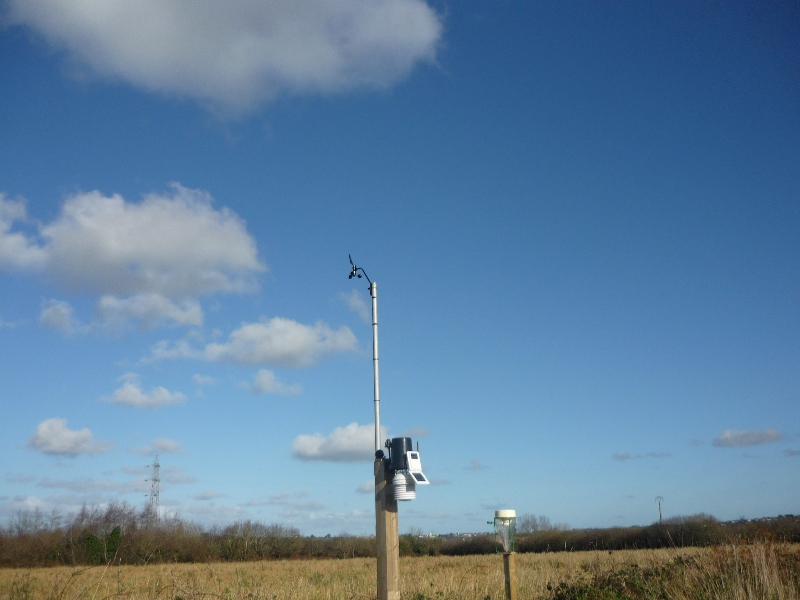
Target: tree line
x,y
677,532
119,534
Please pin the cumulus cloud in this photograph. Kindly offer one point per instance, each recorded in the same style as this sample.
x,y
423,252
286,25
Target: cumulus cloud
x,y
131,394
88,485
17,250
149,310
160,446
166,445
208,495
52,436
355,302
173,246
735,438
171,474
267,383
59,315
165,350
353,443
289,501
235,54
281,342
203,379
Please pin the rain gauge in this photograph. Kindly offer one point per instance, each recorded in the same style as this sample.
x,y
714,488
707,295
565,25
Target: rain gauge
x,y
505,521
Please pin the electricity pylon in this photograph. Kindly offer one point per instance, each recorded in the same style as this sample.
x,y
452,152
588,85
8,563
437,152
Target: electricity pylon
x,y
153,502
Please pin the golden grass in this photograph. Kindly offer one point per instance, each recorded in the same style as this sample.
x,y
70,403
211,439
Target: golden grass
x,y
736,572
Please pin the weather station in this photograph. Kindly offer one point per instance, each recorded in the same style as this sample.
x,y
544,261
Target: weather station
x,y
398,472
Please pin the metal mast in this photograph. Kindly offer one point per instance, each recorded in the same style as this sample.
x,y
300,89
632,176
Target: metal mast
x,y
373,292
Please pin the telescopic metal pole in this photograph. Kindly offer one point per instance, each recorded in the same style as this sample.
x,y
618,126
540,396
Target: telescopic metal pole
x,y
373,291
386,524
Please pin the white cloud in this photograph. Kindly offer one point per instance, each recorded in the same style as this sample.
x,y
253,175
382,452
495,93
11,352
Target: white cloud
x,y
88,485
160,446
53,437
353,443
289,502
112,313
281,342
168,350
267,383
331,520
131,394
150,310
368,487
174,245
17,251
203,379
238,53
208,495
355,302
58,315
170,474
734,438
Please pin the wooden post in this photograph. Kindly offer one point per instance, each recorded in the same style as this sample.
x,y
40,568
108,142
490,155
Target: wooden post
x,y
386,536
510,568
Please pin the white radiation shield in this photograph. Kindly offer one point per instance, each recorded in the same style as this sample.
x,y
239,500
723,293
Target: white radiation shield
x,y
403,487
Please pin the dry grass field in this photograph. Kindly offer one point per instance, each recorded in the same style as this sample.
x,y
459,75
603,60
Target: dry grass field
x,y
746,571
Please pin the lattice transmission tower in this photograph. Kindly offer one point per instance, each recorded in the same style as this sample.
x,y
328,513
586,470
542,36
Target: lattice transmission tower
x,y
155,479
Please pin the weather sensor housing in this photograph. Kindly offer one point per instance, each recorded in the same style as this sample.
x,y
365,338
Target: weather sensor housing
x,y
415,468
407,467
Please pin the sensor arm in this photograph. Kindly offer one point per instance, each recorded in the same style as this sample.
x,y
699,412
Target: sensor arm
x,y
355,272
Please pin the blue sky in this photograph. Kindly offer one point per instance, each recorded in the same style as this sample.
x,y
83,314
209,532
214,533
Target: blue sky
x,y
583,219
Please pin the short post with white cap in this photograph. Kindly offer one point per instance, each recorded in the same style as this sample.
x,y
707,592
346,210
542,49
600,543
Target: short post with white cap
x,y
504,526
